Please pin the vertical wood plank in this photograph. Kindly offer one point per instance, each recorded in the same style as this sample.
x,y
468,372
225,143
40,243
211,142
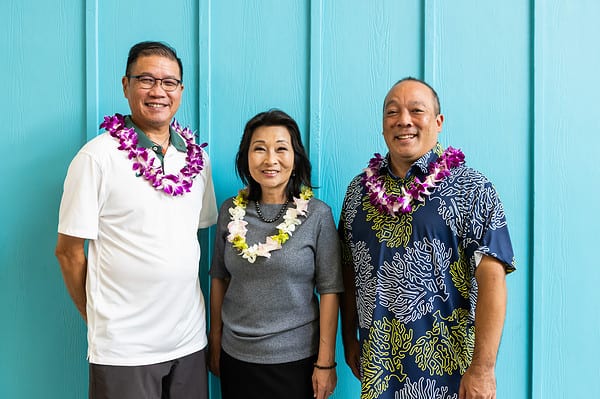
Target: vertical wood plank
x,y
205,129
481,62
365,47
566,323
43,112
316,88
431,42
91,68
365,50
122,24
204,70
259,60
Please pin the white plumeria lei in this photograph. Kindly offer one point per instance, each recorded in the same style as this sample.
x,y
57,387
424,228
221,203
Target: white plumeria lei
x,y
237,227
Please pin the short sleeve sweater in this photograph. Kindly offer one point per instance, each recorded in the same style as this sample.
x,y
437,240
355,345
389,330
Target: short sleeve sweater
x,y
270,310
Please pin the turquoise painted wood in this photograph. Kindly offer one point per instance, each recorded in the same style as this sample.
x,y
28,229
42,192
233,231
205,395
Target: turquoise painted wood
x,y
566,321
364,50
259,60
42,106
518,85
482,67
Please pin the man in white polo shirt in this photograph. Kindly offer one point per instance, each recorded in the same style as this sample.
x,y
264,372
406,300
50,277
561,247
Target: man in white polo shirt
x,y
138,194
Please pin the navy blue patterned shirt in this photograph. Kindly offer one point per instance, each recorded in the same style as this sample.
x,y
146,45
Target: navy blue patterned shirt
x,y
415,279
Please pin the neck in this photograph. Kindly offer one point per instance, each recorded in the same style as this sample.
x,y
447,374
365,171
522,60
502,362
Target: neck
x,y
273,196
399,170
156,133
162,140
400,167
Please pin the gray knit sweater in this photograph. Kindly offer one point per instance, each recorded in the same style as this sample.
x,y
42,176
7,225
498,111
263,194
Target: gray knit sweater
x,y
270,310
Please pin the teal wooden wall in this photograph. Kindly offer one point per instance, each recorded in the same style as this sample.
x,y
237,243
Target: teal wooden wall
x,y
518,81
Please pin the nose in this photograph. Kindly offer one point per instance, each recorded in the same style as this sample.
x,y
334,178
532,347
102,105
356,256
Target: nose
x,y
157,89
271,157
404,119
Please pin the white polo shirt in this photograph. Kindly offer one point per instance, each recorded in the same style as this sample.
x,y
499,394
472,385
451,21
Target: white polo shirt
x,y
144,303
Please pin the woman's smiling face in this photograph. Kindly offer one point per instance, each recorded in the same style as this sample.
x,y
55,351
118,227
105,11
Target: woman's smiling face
x,y
271,161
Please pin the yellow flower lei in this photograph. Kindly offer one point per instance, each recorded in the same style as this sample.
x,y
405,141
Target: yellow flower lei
x,y
237,226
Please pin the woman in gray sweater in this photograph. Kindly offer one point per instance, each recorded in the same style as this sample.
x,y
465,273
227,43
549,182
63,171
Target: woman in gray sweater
x,y
276,247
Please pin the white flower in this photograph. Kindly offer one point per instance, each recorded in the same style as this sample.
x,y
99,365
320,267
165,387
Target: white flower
x,y
291,217
237,227
250,253
237,213
288,228
272,244
301,205
266,248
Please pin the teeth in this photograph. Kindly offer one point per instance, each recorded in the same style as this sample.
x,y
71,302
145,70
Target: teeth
x,y
155,105
405,136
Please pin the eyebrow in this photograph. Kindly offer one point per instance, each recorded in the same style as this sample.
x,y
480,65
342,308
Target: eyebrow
x,y
264,141
152,75
415,102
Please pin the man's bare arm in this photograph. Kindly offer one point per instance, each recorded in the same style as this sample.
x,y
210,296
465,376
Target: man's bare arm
x,y
70,253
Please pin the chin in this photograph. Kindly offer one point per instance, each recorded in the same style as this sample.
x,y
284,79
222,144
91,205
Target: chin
x,y
155,121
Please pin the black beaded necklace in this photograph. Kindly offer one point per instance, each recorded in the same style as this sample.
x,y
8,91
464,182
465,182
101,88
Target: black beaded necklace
x,y
276,218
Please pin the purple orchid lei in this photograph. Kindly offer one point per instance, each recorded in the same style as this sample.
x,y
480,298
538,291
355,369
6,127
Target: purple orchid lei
x,y
417,192
143,163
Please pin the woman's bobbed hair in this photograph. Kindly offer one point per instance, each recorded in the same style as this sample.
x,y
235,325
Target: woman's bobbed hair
x,y
302,168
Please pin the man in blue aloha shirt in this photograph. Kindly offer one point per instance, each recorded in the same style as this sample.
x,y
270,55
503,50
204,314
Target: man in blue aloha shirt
x,y
426,252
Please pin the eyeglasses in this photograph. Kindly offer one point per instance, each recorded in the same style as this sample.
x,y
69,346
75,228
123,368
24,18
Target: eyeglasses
x,y
148,82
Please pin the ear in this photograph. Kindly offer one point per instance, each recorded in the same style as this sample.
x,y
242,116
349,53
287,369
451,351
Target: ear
x,y
125,83
439,121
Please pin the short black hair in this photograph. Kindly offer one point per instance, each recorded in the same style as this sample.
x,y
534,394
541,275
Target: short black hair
x,y
436,100
302,167
152,48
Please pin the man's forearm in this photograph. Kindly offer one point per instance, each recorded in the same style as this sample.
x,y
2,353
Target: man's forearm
x,y
73,265
490,312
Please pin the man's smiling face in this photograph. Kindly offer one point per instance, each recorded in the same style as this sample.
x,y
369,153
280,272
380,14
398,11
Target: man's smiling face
x,y
152,109
411,124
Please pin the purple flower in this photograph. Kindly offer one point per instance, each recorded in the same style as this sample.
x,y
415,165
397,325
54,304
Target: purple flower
x,y
113,123
143,164
417,192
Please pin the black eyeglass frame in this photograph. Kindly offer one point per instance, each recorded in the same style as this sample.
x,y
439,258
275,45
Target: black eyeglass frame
x,y
138,78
